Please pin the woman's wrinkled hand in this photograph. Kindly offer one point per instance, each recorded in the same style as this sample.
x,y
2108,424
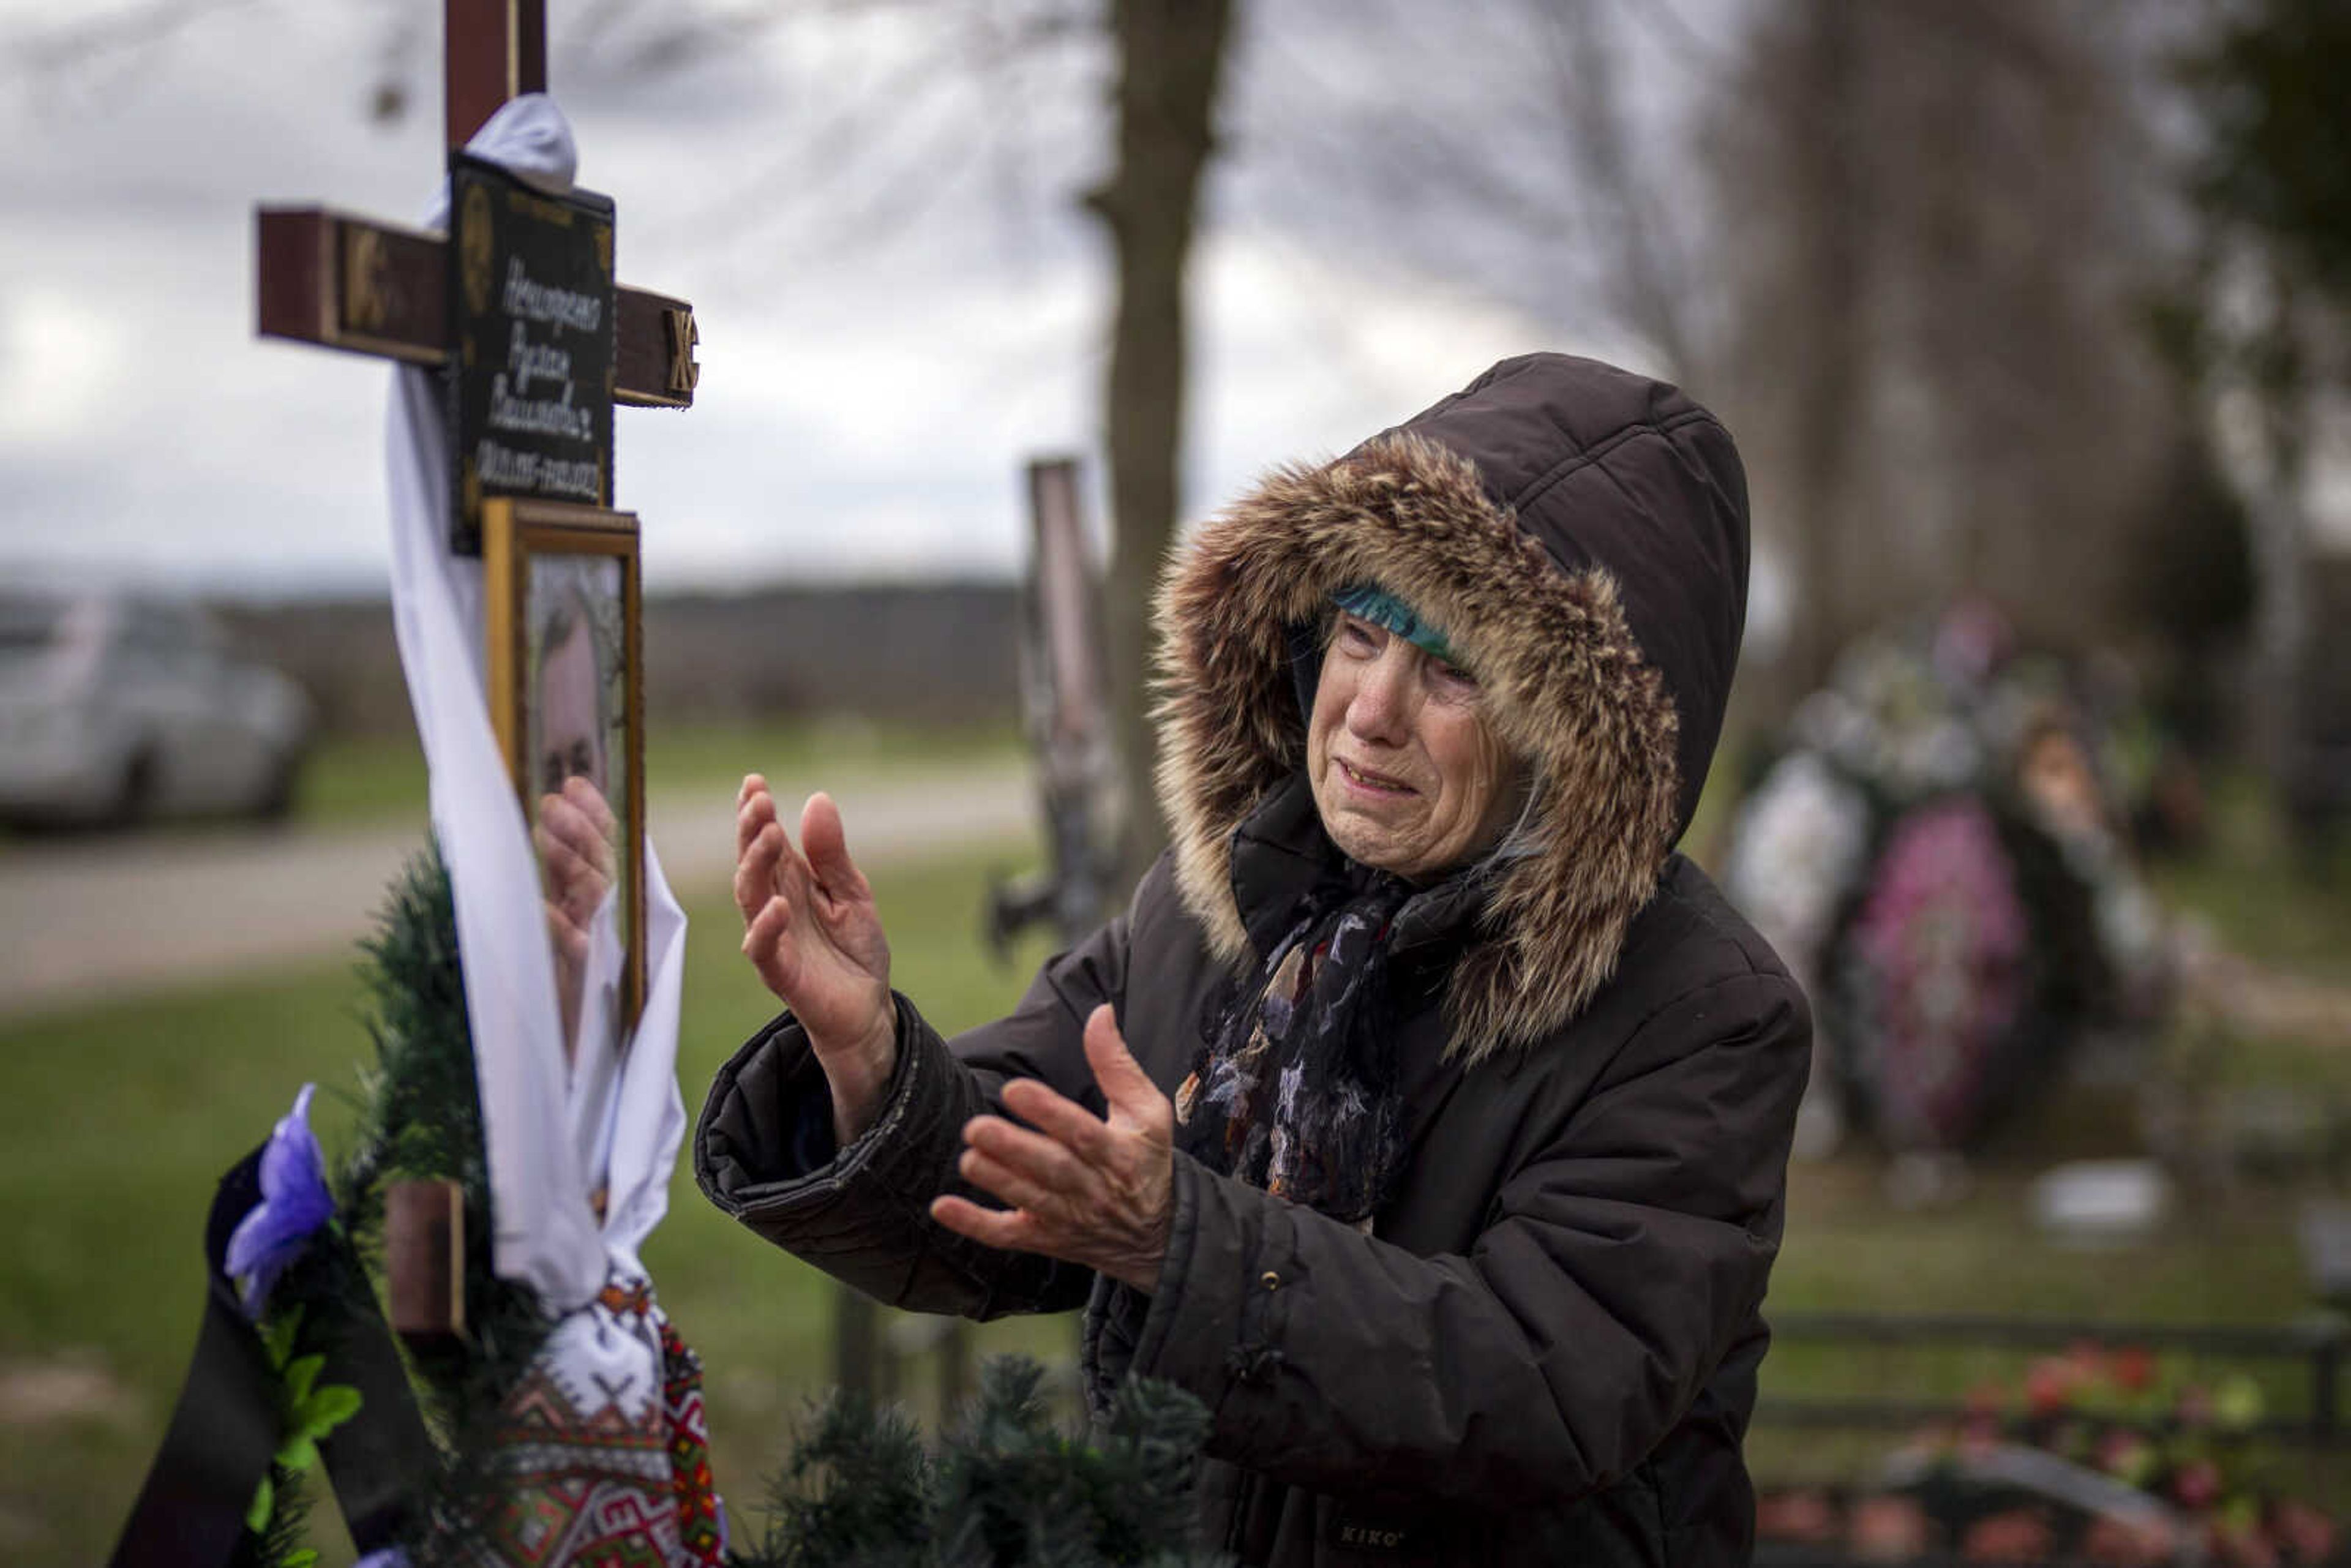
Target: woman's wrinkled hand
x,y
811,931
1090,1191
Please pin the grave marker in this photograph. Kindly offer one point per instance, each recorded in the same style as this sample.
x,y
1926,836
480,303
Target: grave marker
x,y
1063,684
539,341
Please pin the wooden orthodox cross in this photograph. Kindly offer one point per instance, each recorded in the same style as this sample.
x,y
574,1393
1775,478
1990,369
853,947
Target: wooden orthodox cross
x,y
539,340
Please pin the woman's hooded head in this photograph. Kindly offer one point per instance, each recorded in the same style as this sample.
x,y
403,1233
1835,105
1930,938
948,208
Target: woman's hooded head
x,y
1577,536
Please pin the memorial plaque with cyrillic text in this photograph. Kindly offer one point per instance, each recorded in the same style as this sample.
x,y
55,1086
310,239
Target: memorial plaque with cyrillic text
x,y
531,361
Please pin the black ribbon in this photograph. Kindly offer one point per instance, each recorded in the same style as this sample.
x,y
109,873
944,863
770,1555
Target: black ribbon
x,y
191,1510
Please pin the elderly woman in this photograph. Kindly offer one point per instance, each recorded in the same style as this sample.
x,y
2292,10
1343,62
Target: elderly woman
x,y
1425,1114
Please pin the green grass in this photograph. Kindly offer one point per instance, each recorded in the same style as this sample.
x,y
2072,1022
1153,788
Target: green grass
x,y
2257,890
371,780
2291,923
350,780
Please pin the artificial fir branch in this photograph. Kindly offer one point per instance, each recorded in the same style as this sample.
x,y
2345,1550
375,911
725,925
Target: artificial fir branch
x,y
855,1488
298,1336
420,1115
1006,1490
284,1541
420,1118
1154,1433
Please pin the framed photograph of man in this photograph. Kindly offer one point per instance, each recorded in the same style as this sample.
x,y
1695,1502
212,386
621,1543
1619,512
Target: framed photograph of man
x,y
567,696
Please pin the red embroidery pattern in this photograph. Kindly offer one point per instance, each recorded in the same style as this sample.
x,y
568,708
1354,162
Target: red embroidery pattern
x,y
701,1519
591,1485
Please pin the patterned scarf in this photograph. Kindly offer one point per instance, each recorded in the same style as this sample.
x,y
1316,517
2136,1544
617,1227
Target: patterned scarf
x,y
1295,1092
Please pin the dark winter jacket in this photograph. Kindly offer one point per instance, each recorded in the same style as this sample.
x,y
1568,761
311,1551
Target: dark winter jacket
x,y
1546,1350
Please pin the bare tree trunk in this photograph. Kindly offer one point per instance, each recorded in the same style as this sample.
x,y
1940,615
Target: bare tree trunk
x,y
1828,388
2280,529
1171,54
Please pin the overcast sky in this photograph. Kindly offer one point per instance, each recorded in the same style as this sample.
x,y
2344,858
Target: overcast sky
x,y
898,300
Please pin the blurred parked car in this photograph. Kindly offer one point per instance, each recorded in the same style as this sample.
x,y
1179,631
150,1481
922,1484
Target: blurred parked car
x,y
117,709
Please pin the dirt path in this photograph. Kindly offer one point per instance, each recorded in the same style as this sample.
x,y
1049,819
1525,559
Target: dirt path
x,y
91,918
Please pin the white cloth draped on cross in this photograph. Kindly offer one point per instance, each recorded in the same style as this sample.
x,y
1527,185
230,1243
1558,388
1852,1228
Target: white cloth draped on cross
x,y
548,1234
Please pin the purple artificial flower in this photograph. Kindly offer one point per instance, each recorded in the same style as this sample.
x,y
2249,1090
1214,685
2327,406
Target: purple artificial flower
x,y
294,1203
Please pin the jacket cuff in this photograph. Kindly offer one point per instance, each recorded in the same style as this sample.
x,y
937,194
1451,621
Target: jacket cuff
x,y
770,1115
1217,1313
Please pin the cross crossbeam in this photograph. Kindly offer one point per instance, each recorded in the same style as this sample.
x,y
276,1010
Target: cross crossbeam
x,y
369,287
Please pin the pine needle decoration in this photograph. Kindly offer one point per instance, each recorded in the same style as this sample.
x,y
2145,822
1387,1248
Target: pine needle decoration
x,y
419,1115
856,1489
282,1541
1007,1490
420,1118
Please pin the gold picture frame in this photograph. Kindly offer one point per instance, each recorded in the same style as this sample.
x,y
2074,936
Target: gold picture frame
x,y
559,578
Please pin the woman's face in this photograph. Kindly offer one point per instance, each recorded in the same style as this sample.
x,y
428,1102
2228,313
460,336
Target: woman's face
x,y
1406,775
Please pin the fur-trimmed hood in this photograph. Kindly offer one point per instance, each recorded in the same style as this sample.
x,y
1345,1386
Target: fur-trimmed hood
x,y
1579,535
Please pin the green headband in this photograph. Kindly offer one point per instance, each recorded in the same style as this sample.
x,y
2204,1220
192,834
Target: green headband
x,y
1384,609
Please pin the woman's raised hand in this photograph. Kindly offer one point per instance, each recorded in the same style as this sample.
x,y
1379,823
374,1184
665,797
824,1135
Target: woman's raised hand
x,y
812,933
1096,1190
